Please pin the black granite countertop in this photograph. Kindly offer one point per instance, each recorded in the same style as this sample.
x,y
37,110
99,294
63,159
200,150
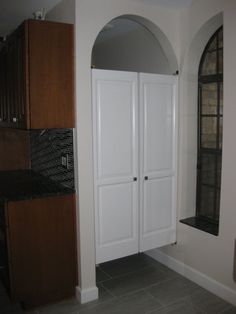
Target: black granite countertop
x,y
27,184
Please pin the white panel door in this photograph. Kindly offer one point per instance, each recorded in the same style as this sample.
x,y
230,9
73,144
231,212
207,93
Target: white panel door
x,y
115,118
158,134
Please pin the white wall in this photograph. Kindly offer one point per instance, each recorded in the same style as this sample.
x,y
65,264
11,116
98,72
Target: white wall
x,y
210,255
137,50
63,12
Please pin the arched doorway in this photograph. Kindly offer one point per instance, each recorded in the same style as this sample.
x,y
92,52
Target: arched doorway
x,y
86,290
135,140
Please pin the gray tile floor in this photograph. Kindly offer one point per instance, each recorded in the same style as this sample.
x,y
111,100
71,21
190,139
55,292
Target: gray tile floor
x,y
139,285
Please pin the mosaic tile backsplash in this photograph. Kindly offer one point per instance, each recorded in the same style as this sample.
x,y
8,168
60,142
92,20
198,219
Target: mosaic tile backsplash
x,y
47,148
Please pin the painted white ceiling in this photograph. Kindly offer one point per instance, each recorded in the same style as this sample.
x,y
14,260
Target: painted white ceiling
x,y
13,12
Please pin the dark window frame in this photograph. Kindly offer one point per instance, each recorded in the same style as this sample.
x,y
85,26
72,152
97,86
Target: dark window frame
x,y
216,152
202,219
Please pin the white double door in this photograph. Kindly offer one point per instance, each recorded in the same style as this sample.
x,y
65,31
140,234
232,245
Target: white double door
x,y
134,135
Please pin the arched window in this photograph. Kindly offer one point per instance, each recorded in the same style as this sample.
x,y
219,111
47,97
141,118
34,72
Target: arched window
x,y
210,126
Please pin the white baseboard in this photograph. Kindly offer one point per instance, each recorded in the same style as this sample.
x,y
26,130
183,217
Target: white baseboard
x,y
86,295
194,275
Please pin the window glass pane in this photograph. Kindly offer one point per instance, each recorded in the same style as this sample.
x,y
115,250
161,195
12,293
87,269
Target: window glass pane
x,y
209,64
210,129
221,98
213,45
221,39
208,132
208,167
220,61
209,98
207,202
220,132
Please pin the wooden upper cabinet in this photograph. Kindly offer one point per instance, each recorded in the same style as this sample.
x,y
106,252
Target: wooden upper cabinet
x,y
51,79
38,84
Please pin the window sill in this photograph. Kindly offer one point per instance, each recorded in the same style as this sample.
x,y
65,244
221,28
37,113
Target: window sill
x,y
201,224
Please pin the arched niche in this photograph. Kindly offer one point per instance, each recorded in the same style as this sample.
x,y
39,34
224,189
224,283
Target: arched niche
x,y
133,43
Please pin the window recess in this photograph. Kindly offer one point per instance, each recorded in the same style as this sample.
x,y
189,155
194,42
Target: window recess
x,y
210,131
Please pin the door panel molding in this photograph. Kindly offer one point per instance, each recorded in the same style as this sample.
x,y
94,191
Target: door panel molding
x,y
158,160
115,122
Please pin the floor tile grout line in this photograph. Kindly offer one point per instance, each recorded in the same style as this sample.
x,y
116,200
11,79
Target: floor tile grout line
x,y
173,279
132,272
100,268
188,300
181,299
140,271
139,289
160,282
107,290
162,305
128,294
151,295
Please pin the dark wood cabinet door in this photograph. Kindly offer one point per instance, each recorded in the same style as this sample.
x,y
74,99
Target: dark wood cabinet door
x,y
5,80
37,76
16,78
11,81
51,74
3,71
13,93
42,249
21,77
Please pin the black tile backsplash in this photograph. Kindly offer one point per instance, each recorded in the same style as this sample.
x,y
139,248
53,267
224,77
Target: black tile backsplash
x,y
47,148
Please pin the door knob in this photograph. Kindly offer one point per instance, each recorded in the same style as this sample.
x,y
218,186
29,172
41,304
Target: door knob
x,y
146,178
135,179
